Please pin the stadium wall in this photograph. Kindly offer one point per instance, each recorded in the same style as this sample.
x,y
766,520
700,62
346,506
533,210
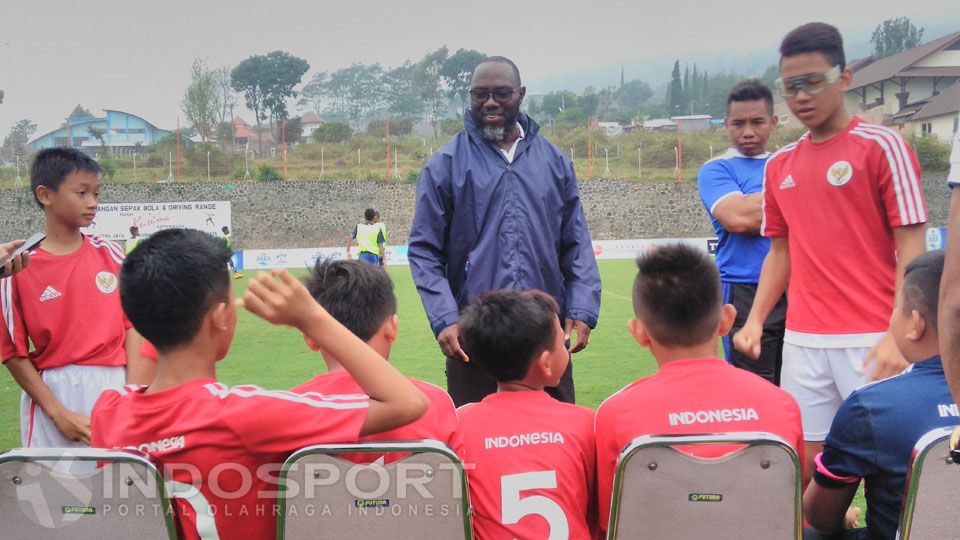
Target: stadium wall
x,y
307,214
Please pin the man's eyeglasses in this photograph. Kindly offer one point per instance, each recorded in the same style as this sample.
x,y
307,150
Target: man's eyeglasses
x,y
812,84
502,95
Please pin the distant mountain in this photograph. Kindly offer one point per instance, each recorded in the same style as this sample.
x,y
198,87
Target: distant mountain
x,y
655,71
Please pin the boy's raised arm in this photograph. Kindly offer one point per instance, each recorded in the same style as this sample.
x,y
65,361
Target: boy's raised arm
x,y
281,299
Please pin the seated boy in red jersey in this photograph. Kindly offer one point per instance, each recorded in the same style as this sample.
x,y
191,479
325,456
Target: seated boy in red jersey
x,y
532,457
65,338
220,445
360,296
680,317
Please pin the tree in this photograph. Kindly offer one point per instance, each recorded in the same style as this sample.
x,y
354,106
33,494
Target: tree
x,y
572,116
457,71
402,98
226,98
675,91
266,82
357,92
293,130
428,80
588,101
694,93
19,135
1,96
632,94
770,75
250,79
687,94
332,132
285,71
313,97
555,102
80,113
201,103
895,35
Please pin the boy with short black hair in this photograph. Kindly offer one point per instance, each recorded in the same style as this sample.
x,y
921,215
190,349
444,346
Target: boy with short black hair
x,y
360,296
679,317
876,428
66,305
370,237
177,291
520,441
844,209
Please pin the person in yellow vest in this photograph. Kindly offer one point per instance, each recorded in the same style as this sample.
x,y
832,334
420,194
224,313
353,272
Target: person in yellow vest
x,y
226,236
383,229
369,237
134,240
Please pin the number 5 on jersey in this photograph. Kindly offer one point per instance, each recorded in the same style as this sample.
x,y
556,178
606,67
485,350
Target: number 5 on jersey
x,y
513,507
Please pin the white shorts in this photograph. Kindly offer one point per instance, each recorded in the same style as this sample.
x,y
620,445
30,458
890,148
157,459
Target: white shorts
x,y
77,388
820,379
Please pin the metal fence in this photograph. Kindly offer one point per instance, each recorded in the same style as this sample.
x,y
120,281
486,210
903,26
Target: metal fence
x,y
641,156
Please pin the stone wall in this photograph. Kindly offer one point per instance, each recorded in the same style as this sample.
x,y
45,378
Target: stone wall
x,y
316,214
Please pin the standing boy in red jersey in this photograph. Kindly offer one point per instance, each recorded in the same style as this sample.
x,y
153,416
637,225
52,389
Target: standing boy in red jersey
x,y
530,457
845,214
67,305
680,316
360,297
222,446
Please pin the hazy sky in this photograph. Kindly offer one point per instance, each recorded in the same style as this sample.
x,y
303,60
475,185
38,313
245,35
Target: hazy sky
x,y
135,55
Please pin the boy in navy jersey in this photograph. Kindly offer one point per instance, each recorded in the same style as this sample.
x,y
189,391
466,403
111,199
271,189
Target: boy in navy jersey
x,y
876,428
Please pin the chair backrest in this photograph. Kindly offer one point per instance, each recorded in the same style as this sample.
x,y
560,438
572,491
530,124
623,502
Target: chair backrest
x,y
928,504
662,491
422,495
43,497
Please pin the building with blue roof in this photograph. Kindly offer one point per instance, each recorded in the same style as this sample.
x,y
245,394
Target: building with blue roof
x,y
120,130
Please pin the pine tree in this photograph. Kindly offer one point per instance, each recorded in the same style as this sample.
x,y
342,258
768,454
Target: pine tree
x,y
687,93
675,91
695,95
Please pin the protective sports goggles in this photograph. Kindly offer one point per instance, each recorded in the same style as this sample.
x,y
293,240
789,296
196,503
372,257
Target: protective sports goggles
x,y
812,83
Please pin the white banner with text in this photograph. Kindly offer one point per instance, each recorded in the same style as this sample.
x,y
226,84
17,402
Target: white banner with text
x,y
114,220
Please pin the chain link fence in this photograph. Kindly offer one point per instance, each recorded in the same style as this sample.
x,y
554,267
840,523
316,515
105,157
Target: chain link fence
x,y
596,155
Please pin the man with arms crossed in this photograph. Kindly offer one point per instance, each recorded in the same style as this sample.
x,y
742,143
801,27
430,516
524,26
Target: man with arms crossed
x,y
730,187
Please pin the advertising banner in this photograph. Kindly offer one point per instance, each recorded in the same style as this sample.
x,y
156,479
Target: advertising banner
x,y
114,220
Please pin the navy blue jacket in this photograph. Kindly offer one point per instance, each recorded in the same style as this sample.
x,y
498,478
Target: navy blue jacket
x,y
483,224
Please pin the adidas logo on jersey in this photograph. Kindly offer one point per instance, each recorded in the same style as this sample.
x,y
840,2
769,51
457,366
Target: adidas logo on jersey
x,y
49,294
788,182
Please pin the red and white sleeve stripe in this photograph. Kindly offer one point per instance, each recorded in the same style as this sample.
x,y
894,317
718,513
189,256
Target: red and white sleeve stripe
x,y
905,176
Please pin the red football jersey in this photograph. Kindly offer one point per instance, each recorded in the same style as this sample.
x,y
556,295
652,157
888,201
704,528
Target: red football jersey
x,y
690,397
438,423
230,442
837,203
530,466
68,307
